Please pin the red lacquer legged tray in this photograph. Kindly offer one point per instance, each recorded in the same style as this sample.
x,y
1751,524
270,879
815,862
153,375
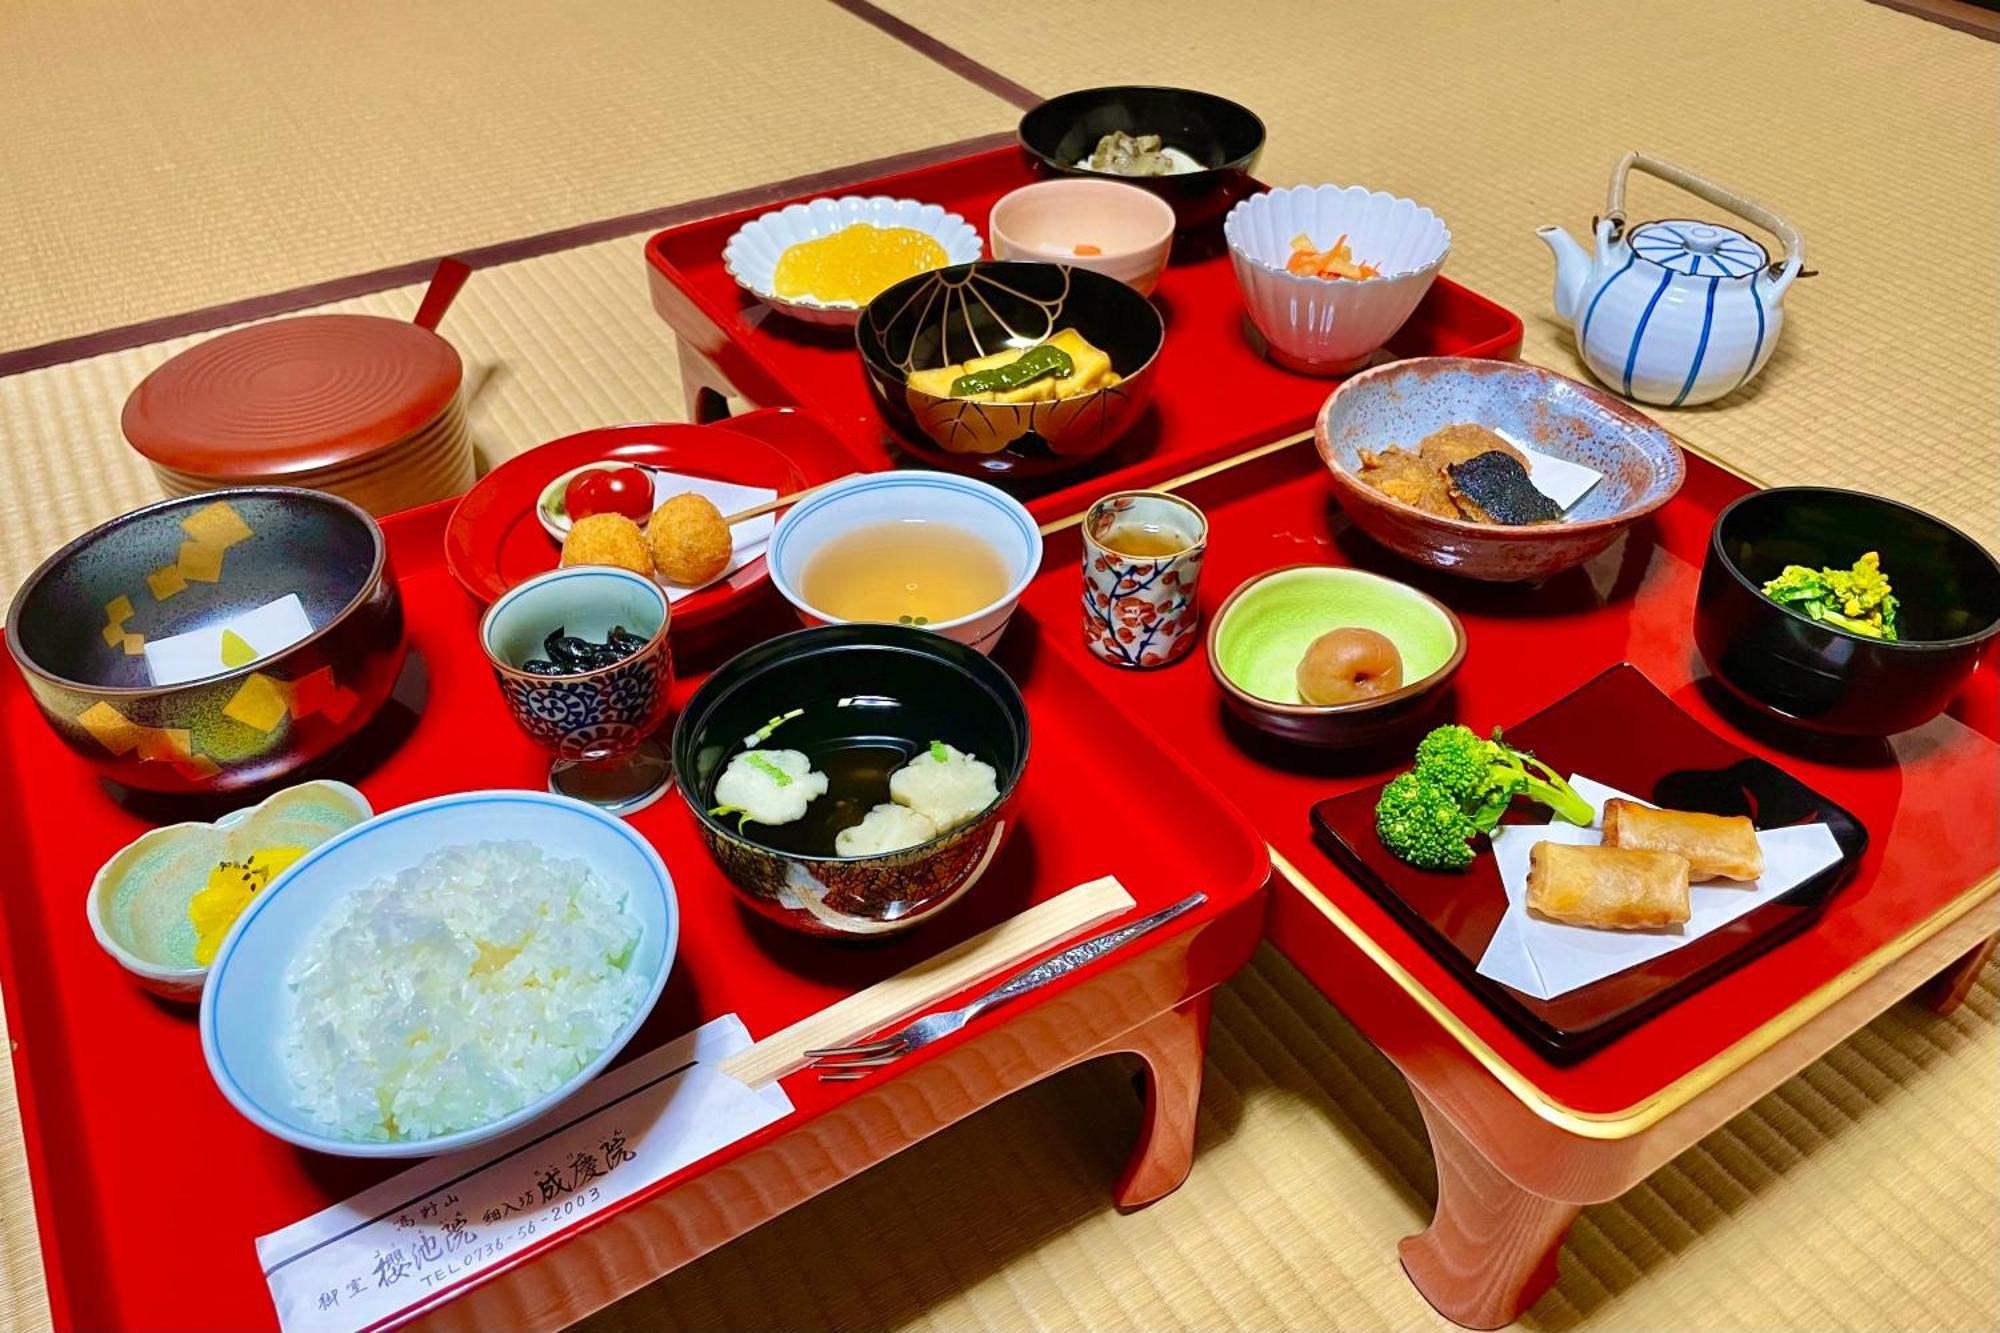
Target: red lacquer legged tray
x,y
1529,648
1521,1141
149,1189
1216,395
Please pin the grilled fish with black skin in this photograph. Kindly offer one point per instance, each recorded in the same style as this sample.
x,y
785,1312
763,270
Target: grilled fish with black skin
x,y
1494,488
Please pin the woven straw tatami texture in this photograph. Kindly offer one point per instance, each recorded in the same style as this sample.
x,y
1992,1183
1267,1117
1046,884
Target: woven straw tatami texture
x,y
1858,1195
157,158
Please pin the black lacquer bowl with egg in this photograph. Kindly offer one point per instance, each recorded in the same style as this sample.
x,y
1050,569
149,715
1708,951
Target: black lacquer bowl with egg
x,y
1812,674
953,315
870,698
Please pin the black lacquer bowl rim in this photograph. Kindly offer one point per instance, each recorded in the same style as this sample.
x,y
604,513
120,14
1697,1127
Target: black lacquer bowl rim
x,y
378,563
1719,554
974,667
870,337
1050,110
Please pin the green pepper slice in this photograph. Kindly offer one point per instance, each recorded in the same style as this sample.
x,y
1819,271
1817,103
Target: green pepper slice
x,y
1040,362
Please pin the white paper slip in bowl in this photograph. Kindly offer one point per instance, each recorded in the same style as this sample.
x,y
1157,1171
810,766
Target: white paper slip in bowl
x,y
229,643
1558,478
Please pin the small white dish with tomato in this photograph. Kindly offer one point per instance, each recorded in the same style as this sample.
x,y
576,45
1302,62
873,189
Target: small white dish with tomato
x,y
636,490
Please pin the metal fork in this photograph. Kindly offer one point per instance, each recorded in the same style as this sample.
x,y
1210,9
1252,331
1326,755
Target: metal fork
x,y
841,1064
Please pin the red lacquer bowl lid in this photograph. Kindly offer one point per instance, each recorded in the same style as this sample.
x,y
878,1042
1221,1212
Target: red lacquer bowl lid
x,y
291,396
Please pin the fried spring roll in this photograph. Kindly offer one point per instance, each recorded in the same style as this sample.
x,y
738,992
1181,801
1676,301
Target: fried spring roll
x,y
1611,888
1716,846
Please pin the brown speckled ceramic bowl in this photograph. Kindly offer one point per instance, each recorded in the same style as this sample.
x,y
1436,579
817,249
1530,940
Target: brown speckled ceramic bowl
x,y
1401,403
78,627
886,688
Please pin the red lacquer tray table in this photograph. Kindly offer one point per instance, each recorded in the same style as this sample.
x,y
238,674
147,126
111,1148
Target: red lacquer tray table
x,y
1522,1143
149,1189
1215,396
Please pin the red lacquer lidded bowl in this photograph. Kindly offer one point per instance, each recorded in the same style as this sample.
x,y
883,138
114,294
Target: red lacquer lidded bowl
x,y
362,406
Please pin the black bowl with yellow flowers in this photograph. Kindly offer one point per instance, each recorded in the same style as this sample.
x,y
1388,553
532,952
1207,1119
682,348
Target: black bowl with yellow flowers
x,y
1843,612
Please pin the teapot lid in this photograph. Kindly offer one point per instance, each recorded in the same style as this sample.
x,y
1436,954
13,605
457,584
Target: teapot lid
x,y
1700,249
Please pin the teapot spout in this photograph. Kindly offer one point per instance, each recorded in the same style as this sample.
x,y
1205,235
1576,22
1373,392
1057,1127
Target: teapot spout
x,y
1573,265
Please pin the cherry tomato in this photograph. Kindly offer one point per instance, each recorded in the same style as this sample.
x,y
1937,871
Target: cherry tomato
x,y
622,490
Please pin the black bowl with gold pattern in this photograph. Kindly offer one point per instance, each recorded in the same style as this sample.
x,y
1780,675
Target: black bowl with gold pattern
x,y
79,628
870,697
954,315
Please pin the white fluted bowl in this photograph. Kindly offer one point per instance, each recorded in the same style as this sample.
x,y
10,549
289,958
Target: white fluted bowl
x,y
1329,327
751,255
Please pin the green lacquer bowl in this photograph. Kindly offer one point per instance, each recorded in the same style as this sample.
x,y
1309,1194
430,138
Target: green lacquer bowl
x,y
1256,640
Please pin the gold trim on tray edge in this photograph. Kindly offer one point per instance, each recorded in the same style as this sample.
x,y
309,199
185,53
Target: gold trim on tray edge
x,y
1644,1114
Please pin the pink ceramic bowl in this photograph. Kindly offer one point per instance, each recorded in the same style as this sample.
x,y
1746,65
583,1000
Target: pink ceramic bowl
x,y
1402,402
1130,228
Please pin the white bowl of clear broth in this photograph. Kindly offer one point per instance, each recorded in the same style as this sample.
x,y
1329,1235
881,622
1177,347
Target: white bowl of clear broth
x,y
943,553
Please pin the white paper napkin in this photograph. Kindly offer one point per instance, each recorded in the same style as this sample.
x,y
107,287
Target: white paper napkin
x,y
1546,958
433,1227
270,628
749,537
1558,478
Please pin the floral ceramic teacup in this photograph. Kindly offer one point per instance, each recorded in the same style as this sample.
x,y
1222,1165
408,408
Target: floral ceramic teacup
x,y
598,723
1142,554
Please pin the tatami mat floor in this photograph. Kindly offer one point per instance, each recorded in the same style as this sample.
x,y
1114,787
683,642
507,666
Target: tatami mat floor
x,y
1858,1195
162,158
1864,1193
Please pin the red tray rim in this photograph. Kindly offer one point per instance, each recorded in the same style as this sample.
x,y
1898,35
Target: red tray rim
x,y
424,527
1648,1111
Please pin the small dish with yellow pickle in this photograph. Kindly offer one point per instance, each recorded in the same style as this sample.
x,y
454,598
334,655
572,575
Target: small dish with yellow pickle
x,y
1010,369
162,906
824,260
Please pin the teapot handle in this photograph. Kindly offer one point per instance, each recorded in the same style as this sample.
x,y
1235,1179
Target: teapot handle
x,y
1748,209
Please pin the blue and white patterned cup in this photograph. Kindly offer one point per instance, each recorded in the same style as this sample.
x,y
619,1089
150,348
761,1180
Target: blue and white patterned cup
x,y
594,716
1142,554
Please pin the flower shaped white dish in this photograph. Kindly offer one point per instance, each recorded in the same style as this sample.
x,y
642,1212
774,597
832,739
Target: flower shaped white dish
x,y
138,903
1324,326
751,255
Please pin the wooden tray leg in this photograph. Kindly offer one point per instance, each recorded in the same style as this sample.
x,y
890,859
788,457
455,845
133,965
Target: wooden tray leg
x,y
704,393
1945,991
1173,1046
1490,1249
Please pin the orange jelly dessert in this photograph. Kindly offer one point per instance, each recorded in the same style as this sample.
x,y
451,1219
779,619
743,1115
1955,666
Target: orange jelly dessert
x,y
856,263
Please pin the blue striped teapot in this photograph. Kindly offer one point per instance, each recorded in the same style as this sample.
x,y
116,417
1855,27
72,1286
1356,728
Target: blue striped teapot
x,y
1676,312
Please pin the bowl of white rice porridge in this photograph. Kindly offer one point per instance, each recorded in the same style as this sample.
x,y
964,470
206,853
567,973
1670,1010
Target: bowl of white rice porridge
x,y
440,974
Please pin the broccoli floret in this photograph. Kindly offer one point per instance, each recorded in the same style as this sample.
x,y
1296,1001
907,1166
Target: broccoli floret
x,y
1460,787
1455,758
1484,775
1421,824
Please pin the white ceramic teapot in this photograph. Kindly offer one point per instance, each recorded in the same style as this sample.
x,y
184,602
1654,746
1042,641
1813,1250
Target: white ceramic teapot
x,y
1676,312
